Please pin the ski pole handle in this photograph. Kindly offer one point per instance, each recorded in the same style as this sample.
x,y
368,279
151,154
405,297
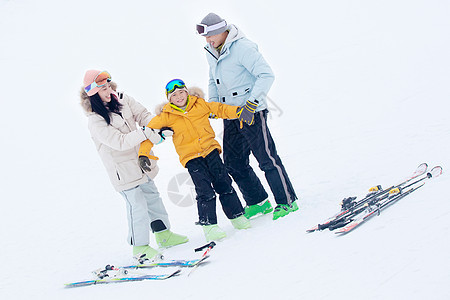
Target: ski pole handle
x,y
210,245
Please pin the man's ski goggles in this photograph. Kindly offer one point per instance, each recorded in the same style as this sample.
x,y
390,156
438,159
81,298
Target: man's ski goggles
x,y
174,84
100,80
203,29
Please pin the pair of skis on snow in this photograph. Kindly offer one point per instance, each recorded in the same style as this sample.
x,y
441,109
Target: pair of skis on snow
x,y
111,274
355,212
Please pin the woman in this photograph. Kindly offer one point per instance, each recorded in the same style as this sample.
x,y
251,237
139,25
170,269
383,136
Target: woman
x,y
112,122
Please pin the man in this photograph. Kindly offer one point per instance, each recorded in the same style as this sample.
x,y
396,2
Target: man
x,y
239,75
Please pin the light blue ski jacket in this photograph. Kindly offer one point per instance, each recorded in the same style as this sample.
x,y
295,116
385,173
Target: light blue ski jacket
x,y
239,73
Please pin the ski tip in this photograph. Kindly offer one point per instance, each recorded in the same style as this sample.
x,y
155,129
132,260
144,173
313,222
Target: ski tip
x,y
435,172
423,166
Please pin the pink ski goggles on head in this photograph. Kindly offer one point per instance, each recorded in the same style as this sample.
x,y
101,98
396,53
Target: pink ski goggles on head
x,y
100,80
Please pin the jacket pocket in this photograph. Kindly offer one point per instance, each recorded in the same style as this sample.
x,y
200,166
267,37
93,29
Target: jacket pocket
x,y
128,171
239,91
117,122
209,132
126,166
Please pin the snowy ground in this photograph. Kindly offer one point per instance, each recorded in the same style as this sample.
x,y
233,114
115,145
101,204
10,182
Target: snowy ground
x,y
360,99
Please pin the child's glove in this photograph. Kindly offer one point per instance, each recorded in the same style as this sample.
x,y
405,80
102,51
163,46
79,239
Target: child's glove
x,y
213,116
157,136
152,135
144,163
165,132
246,113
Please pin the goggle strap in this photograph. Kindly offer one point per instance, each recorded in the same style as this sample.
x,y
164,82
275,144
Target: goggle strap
x,y
94,84
209,28
176,86
216,26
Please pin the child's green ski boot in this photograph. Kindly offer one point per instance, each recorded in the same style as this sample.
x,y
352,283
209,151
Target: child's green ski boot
x,y
241,222
213,232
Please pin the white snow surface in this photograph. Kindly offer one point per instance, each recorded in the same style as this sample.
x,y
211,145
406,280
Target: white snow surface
x,y
361,98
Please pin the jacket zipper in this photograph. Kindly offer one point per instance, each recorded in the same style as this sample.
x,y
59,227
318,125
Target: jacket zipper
x,y
211,53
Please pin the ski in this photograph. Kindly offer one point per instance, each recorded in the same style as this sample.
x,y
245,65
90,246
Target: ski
x,y
370,211
111,274
350,207
169,263
375,208
108,279
143,263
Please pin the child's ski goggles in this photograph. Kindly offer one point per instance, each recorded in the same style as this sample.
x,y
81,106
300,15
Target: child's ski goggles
x,y
174,84
100,80
203,29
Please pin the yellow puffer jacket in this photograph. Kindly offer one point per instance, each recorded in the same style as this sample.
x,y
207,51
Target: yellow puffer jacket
x,y
193,135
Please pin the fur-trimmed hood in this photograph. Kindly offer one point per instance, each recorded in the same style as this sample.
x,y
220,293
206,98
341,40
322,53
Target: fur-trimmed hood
x,y
193,91
85,102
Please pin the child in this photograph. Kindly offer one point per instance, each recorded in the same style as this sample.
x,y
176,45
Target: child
x,y
193,137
